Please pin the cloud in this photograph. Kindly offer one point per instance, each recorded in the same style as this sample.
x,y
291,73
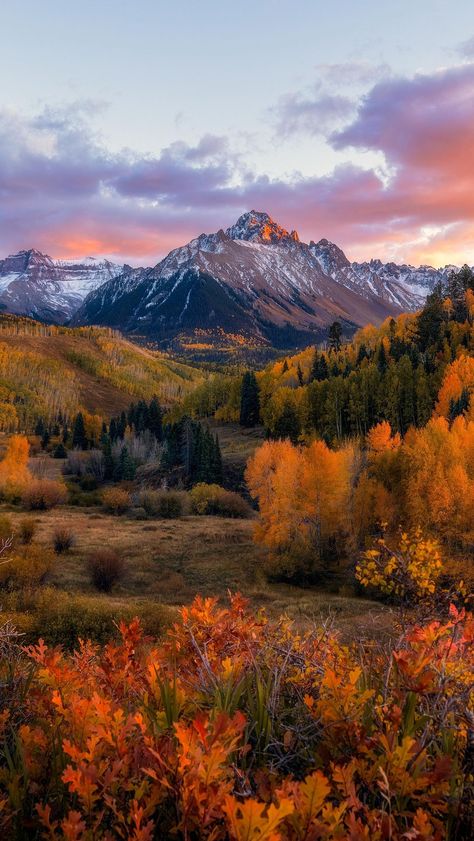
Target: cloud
x,y
352,73
314,116
466,49
62,190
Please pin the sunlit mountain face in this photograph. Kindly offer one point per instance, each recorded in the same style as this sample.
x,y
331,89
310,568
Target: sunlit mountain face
x,y
258,282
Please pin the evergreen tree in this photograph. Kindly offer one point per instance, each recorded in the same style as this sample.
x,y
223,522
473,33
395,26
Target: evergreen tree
x,y
430,320
459,406
45,439
122,426
361,354
172,449
131,415
382,359
313,371
287,424
113,430
125,468
249,401
60,451
284,368
217,471
40,427
79,432
423,399
155,419
299,374
321,369
335,336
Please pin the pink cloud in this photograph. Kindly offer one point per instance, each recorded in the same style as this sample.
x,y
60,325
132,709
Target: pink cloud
x,y
64,192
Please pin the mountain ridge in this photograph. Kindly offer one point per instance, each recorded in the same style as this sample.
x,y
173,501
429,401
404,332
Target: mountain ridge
x,y
255,279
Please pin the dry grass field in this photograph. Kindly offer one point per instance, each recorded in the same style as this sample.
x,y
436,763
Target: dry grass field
x,y
168,562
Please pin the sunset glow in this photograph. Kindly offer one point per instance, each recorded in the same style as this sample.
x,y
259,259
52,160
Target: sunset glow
x,y
133,156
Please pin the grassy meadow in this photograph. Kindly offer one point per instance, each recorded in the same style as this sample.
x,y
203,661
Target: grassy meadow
x,y
168,561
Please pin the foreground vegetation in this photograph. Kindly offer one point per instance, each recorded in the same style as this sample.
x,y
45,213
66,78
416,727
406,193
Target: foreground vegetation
x,y
235,727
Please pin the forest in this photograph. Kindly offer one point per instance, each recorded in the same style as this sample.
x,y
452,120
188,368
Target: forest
x,y
237,603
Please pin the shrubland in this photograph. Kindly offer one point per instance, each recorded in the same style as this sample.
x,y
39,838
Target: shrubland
x,y
235,727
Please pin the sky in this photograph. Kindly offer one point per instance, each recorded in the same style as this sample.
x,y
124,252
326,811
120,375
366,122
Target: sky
x,y
129,127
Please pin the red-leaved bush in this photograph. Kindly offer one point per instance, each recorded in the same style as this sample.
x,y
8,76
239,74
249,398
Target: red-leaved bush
x,y
235,727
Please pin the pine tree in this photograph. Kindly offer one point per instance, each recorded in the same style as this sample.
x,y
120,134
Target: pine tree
x,y
40,427
250,401
125,469
361,354
299,374
313,372
382,359
287,424
284,367
122,426
217,471
45,439
60,451
321,371
335,336
79,432
430,319
459,406
155,419
113,430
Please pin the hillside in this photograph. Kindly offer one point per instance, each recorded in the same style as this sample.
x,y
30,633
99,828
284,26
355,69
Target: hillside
x,y
45,370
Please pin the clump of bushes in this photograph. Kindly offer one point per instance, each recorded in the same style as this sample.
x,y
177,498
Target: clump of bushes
x,y
88,483
62,618
106,568
25,567
213,499
166,504
60,451
43,494
63,540
26,530
116,500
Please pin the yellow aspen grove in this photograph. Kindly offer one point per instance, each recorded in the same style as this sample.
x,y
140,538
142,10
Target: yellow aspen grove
x,y
455,395
14,466
303,496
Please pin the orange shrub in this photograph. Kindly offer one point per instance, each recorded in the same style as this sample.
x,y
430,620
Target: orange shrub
x,y
116,500
213,499
42,494
233,727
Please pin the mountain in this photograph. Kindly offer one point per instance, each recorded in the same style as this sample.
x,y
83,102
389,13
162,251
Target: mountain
x,y
254,282
33,284
406,287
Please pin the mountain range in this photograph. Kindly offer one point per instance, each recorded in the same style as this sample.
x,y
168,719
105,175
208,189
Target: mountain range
x,y
254,282
33,284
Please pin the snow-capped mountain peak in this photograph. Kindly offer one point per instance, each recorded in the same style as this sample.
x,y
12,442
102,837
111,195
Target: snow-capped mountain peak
x,y
257,226
33,284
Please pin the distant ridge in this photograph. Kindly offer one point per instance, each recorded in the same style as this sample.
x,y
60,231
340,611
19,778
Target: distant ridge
x,y
258,282
255,283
